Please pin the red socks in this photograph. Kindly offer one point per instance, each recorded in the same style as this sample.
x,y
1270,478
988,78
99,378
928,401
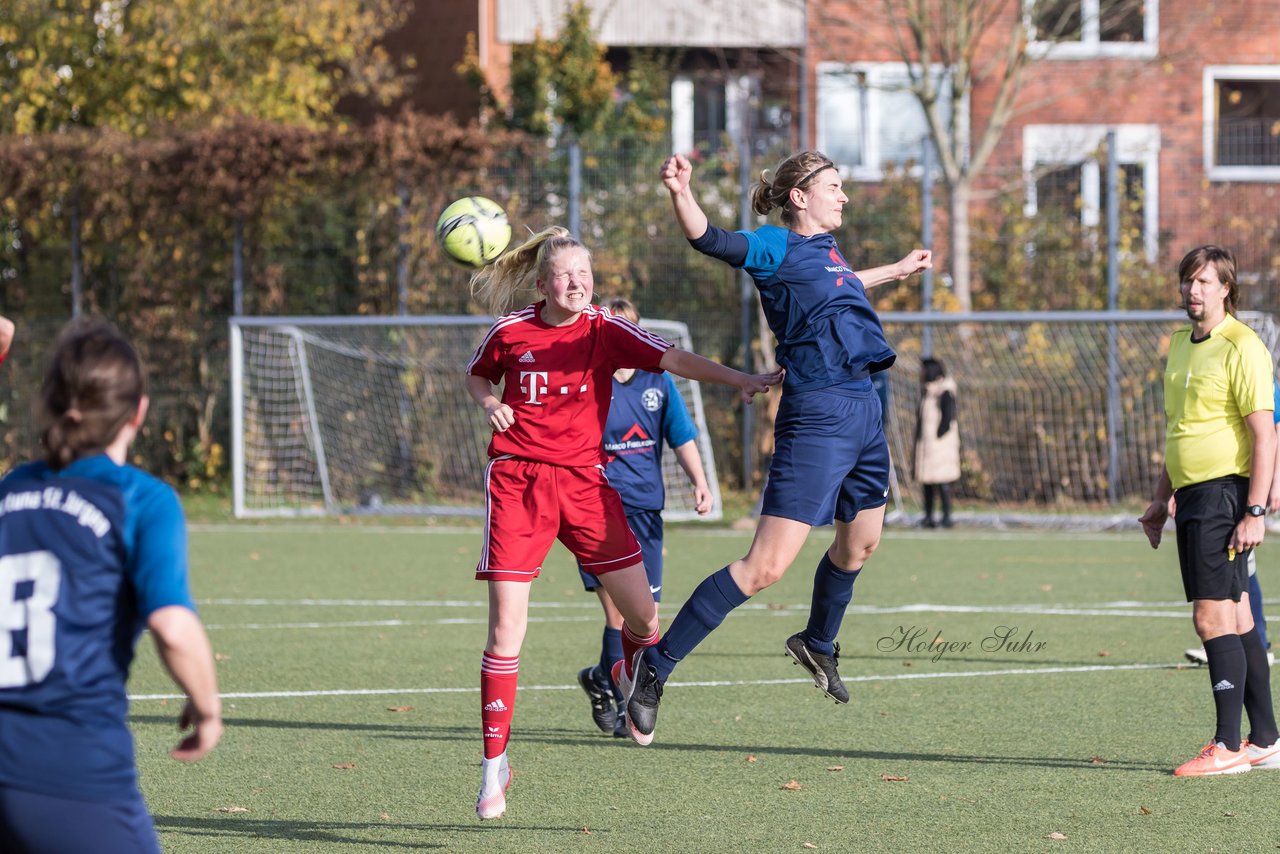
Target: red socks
x,y
630,644
498,677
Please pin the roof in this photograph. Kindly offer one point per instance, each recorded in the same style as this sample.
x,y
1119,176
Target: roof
x,y
664,23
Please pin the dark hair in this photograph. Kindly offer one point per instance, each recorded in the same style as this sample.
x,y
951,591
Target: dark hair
x,y
1222,260
932,369
796,172
93,386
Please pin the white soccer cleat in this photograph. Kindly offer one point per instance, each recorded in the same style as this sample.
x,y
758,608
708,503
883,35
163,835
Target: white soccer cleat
x,y
1196,655
495,777
1264,758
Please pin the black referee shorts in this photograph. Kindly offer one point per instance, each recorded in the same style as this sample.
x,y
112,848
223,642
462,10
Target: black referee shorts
x,y
1207,515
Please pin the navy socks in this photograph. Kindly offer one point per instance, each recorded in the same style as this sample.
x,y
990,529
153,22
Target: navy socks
x,y
611,651
705,609
832,592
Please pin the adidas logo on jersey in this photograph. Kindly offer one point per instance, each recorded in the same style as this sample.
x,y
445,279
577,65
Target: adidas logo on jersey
x,y
1224,685
527,358
496,706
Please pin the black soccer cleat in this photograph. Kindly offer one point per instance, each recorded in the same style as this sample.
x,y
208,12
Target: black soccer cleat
x,y
643,694
821,666
601,696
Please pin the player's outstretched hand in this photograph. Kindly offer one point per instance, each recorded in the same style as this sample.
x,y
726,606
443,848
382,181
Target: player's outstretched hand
x,y
915,261
1153,520
204,738
760,384
500,417
676,172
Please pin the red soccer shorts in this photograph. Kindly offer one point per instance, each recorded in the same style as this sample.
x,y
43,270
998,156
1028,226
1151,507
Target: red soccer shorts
x,y
529,505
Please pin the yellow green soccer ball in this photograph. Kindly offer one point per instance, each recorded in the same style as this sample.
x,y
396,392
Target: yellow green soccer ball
x,y
474,231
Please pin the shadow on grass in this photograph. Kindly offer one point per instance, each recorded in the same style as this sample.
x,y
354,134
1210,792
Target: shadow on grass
x,y
588,738
334,832
327,832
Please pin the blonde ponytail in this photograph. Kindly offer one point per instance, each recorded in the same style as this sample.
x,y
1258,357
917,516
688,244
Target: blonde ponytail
x,y
497,285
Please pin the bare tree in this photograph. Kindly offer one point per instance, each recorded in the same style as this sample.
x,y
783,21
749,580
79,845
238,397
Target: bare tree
x,y
952,48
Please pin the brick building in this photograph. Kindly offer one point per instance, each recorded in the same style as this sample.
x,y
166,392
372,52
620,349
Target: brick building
x,y
1192,91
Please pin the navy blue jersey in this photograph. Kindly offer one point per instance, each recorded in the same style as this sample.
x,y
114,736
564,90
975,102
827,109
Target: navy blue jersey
x,y
645,410
87,553
828,334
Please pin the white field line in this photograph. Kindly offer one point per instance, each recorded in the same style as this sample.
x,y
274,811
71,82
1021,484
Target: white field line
x,y
1108,609
715,531
1100,607
728,683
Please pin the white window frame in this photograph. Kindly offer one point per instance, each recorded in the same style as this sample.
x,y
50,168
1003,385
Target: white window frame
x,y
1072,144
873,167
740,90
1090,45
1212,74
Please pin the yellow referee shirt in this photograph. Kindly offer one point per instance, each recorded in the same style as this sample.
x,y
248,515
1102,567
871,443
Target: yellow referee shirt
x,y
1209,388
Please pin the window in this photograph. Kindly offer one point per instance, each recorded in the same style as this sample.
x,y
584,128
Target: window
x,y
705,109
1242,122
1085,29
1063,165
868,118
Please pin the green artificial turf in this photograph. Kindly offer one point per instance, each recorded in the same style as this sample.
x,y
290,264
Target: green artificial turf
x,y
1060,737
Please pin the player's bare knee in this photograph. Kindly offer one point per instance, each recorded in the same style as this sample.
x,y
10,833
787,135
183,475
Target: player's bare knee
x,y
855,555
763,575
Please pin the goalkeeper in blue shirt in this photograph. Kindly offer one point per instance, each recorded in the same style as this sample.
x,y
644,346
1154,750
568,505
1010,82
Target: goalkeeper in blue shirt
x,y
646,412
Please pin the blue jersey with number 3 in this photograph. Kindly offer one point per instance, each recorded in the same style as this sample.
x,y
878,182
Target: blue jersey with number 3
x,y
87,553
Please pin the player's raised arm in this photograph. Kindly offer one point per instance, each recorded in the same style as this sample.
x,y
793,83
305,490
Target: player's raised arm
x,y
676,173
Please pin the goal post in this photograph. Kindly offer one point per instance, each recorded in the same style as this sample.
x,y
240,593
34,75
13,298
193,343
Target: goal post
x,y
369,415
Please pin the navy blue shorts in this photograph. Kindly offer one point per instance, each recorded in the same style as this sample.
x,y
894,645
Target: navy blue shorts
x,y
830,457
647,526
31,823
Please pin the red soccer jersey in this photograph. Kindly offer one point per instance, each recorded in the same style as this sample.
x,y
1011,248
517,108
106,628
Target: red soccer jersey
x,y
558,380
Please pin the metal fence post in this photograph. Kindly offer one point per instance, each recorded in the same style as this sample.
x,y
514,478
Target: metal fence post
x,y
1113,355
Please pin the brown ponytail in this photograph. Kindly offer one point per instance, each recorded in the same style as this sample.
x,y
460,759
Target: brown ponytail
x,y
93,386
796,172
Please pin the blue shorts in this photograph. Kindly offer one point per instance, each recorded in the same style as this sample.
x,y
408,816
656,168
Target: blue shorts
x,y
31,823
830,457
647,526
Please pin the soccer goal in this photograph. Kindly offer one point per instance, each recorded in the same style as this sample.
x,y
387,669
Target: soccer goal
x,y
351,415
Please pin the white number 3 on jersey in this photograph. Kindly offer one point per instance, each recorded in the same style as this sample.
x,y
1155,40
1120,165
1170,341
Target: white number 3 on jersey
x,y
34,613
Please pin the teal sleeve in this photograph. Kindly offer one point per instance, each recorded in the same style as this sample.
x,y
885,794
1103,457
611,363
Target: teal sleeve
x,y
677,427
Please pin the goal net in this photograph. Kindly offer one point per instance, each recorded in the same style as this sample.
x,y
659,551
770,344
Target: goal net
x,y
1061,414
348,415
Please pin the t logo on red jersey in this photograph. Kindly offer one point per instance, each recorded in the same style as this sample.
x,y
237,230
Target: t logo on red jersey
x,y
533,383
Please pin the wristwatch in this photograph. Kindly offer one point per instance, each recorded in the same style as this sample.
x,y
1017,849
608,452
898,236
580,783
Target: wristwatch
x,y
1256,510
